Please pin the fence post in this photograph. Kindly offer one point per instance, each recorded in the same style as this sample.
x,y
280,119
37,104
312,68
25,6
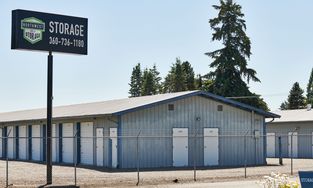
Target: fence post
x,y
245,154
137,156
279,151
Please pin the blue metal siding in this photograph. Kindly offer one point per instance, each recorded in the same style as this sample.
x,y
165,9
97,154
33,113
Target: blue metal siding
x,y
78,142
16,142
30,157
60,143
119,144
304,137
44,142
159,122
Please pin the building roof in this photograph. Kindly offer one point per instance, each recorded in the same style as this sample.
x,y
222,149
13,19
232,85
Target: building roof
x,y
119,107
299,115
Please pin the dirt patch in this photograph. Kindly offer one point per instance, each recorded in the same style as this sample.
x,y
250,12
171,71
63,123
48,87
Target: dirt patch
x,y
24,174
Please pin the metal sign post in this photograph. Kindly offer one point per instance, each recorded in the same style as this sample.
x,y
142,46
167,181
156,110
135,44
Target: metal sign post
x,y
49,118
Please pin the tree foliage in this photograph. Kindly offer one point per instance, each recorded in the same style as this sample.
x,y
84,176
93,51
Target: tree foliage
x,y
175,80
135,82
295,100
309,90
148,84
230,62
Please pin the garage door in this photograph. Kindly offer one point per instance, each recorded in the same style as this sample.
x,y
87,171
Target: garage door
x,y
1,142
10,142
67,142
86,142
22,143
54,143
180,147
210,146
36,142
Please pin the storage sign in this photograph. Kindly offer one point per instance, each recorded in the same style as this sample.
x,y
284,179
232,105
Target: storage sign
x,y
49,32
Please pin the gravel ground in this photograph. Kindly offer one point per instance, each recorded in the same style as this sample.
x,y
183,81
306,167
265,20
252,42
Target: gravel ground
x,y
24,174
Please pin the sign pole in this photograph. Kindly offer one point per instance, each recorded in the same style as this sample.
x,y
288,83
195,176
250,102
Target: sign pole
x,y
49,118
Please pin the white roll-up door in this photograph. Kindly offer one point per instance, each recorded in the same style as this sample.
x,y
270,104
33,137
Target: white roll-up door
x,y
54,143
10,132
68,142
294,143
86,142
99,146
113,137
22,143
36,140
1,137
180,147
270,144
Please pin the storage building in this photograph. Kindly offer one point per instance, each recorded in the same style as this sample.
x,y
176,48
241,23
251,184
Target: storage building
x,y
295,130
167,130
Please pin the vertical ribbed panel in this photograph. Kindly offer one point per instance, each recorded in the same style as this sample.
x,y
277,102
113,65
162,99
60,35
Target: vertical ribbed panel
x,y
194,113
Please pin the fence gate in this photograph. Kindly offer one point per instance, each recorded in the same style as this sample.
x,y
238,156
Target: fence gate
x,y
99,146
270,144
210,146
180,147
22,142
113,137
68,142
294,136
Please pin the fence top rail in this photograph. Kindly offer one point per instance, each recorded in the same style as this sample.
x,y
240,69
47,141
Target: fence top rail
x,y
158,136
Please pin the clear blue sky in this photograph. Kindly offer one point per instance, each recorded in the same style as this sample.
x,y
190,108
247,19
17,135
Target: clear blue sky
x,y
123,33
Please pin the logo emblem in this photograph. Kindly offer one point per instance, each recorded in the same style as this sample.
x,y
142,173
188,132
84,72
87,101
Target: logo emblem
x,y
32,29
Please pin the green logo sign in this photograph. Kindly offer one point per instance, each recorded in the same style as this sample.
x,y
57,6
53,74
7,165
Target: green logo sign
x,y
32,29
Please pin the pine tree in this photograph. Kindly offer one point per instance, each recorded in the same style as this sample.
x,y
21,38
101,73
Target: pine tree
x,y
230,62
175,81
284,105
190,76
135,82
309,90
156,79
148,86
296,99
199,82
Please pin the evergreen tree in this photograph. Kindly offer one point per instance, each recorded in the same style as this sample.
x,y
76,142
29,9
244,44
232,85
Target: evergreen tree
x,y
199,82
284,105
135,82
156,79
309,90
190,76
175,80
230,62
296,99
148,85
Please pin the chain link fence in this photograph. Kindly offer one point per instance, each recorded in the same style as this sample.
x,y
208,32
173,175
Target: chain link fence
x,y
146,159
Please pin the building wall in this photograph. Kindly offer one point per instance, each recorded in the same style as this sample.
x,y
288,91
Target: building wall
x,y
159,122
305,130
99,122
